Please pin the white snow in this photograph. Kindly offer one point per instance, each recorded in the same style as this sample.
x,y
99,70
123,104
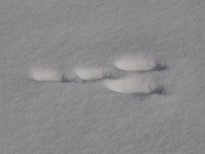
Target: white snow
x,y
90,73
42,39
43,74
132,84
135,63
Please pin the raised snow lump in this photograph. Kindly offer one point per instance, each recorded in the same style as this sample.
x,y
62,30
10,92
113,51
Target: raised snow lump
x,y
132,84
90,73
135,63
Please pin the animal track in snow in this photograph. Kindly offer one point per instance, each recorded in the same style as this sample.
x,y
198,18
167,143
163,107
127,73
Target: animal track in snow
x,y
140,84
132,84
135,63
84,74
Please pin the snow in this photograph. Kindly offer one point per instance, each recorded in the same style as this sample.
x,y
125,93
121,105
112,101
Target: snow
x,y
132,84
135,63
45,75
44,40
90,73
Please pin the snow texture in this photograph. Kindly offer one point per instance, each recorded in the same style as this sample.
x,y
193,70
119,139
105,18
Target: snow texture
x,y
44,40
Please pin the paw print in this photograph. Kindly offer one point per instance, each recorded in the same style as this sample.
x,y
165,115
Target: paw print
x,y
138,78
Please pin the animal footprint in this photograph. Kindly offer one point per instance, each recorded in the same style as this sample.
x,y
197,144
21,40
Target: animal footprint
x,y
139,63
90,73
84,74
45,75
135,63
139,83
135,84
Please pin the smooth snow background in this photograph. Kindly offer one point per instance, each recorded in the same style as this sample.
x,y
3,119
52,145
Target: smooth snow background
x,y
86,118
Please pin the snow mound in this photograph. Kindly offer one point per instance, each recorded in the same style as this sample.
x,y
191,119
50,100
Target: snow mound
x,y
135,63
90,73
45,75
132,84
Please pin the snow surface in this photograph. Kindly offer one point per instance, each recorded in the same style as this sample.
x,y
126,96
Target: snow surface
x,y
85,117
